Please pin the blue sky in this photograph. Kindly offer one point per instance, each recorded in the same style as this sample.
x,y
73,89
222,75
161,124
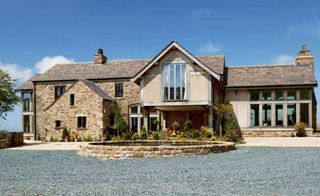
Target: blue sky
x,y
36,34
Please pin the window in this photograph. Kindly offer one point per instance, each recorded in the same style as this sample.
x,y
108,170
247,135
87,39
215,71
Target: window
x,y
279,115
292,95
134,110
304,94
266,114
254,115
135,117
26,124
118,89
266,95
26,101
291,114
174,82
304,113
254,95
58,91
71,99
279,95
82,121
58,124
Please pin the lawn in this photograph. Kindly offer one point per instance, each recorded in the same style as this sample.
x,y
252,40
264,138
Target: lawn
x,y
246,171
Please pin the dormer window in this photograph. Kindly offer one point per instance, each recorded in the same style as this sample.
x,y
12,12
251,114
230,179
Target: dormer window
x,y
174,82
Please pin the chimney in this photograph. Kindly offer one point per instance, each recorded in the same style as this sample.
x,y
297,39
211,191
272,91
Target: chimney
x,y
99,58
305,58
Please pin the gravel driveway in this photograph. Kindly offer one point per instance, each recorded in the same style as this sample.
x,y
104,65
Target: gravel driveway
x,y
246,171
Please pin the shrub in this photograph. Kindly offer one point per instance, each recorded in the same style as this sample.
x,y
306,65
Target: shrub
x,y
126,135
65,133
116,138
73,136
207,132
213,138
195,134
154,124
155,135
143,133
135,136
175,125
163,135
300,129
187,125
53,139
87,137
231,136
182,136
28,138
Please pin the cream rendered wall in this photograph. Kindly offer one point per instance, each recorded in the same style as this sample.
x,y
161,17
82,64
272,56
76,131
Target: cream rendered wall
x,y
240,102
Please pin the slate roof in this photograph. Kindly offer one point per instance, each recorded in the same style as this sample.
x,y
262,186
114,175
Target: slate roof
x,y
269,75
27,85
97,89
215,63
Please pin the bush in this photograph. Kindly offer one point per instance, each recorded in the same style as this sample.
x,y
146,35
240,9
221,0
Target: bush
x,y
53,139
175,125
207,132
195,134
135,136
154,125
187,125
116,138
300,129
231,136
73,136
163,136
126,135
155,135
87,137
182,136
65,134
143,133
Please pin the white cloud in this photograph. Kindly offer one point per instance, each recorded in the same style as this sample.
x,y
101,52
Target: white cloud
x,y
200,12
209,48
47,62
17,72
283,59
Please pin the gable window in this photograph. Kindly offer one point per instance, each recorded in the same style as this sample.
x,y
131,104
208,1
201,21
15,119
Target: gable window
x,y
58,124
81,121
174,82
58,91
254,95
119,90
71,99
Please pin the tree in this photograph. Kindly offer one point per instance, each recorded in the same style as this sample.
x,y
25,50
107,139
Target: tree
x,y
119,123
221,109
8,98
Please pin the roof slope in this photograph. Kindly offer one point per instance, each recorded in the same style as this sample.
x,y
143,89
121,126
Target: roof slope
x,y
215,63
27,85
97,89
269,75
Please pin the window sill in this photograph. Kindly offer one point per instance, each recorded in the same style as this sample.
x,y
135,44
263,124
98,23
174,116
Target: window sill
x,y
72,106
175,101
58,128
119,98
81,129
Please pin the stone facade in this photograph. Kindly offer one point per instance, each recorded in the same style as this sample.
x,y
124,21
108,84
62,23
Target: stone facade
x,y
272,133
12,139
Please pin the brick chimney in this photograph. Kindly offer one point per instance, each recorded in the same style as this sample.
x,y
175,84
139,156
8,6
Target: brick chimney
x,y
99,58
305,58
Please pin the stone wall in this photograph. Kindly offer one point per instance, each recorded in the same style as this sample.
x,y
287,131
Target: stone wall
x,y
272,133
152,148
11,139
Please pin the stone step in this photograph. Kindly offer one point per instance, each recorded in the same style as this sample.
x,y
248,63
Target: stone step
x,y
316,134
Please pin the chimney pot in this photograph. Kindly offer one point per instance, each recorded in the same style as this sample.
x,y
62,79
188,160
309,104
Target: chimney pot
x,y
99,58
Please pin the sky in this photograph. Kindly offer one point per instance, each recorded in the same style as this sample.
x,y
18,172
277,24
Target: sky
x,y
35,35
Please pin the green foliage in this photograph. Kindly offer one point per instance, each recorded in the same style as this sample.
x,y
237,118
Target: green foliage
x,y
300,129
143,133
155,124
231,136
3,134
222,108
182,136
207,132
65,133
53,139
8,98
187,125
126,135
229,124
230,127
155,135
87,137
119,123
74,136
213,138
135,136
116,138
175,125
195,134
163,136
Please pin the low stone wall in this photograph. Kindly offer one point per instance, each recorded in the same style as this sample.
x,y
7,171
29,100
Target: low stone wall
x,y
152,148
272,132
11,139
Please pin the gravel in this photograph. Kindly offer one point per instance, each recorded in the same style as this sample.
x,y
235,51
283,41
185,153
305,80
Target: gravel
x,y
246,171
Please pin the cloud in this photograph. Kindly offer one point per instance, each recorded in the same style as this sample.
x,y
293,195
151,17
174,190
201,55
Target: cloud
x,y
209,48
283,59
200,12
17,72
47,62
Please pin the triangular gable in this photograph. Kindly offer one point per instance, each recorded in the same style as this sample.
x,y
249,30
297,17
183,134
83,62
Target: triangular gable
x,y
174,44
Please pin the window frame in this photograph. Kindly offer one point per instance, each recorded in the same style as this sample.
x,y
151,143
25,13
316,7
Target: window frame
x,y
72,100
81,123
61,91
57,122
115,90
179,92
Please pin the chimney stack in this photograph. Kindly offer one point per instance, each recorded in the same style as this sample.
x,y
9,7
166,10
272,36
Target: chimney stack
x,y
305,58
99,58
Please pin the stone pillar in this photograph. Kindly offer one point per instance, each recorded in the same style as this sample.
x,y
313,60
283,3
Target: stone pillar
x,y
273,114
146,118
210,118
285,115
260,115
310,114
297,112
139,120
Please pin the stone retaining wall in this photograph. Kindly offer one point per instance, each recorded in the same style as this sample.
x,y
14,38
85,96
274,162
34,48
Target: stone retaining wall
x,y
12,139
272,133
164,148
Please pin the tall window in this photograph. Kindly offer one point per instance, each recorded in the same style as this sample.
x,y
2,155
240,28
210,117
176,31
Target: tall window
x,y
119,90
304,113
279,115
27,97
26,124
291,114
71,99
174,82
254,115
266,114
81,122
135,116
58,91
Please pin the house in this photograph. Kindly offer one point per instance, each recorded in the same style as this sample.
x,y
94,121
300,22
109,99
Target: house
x,y
173,86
